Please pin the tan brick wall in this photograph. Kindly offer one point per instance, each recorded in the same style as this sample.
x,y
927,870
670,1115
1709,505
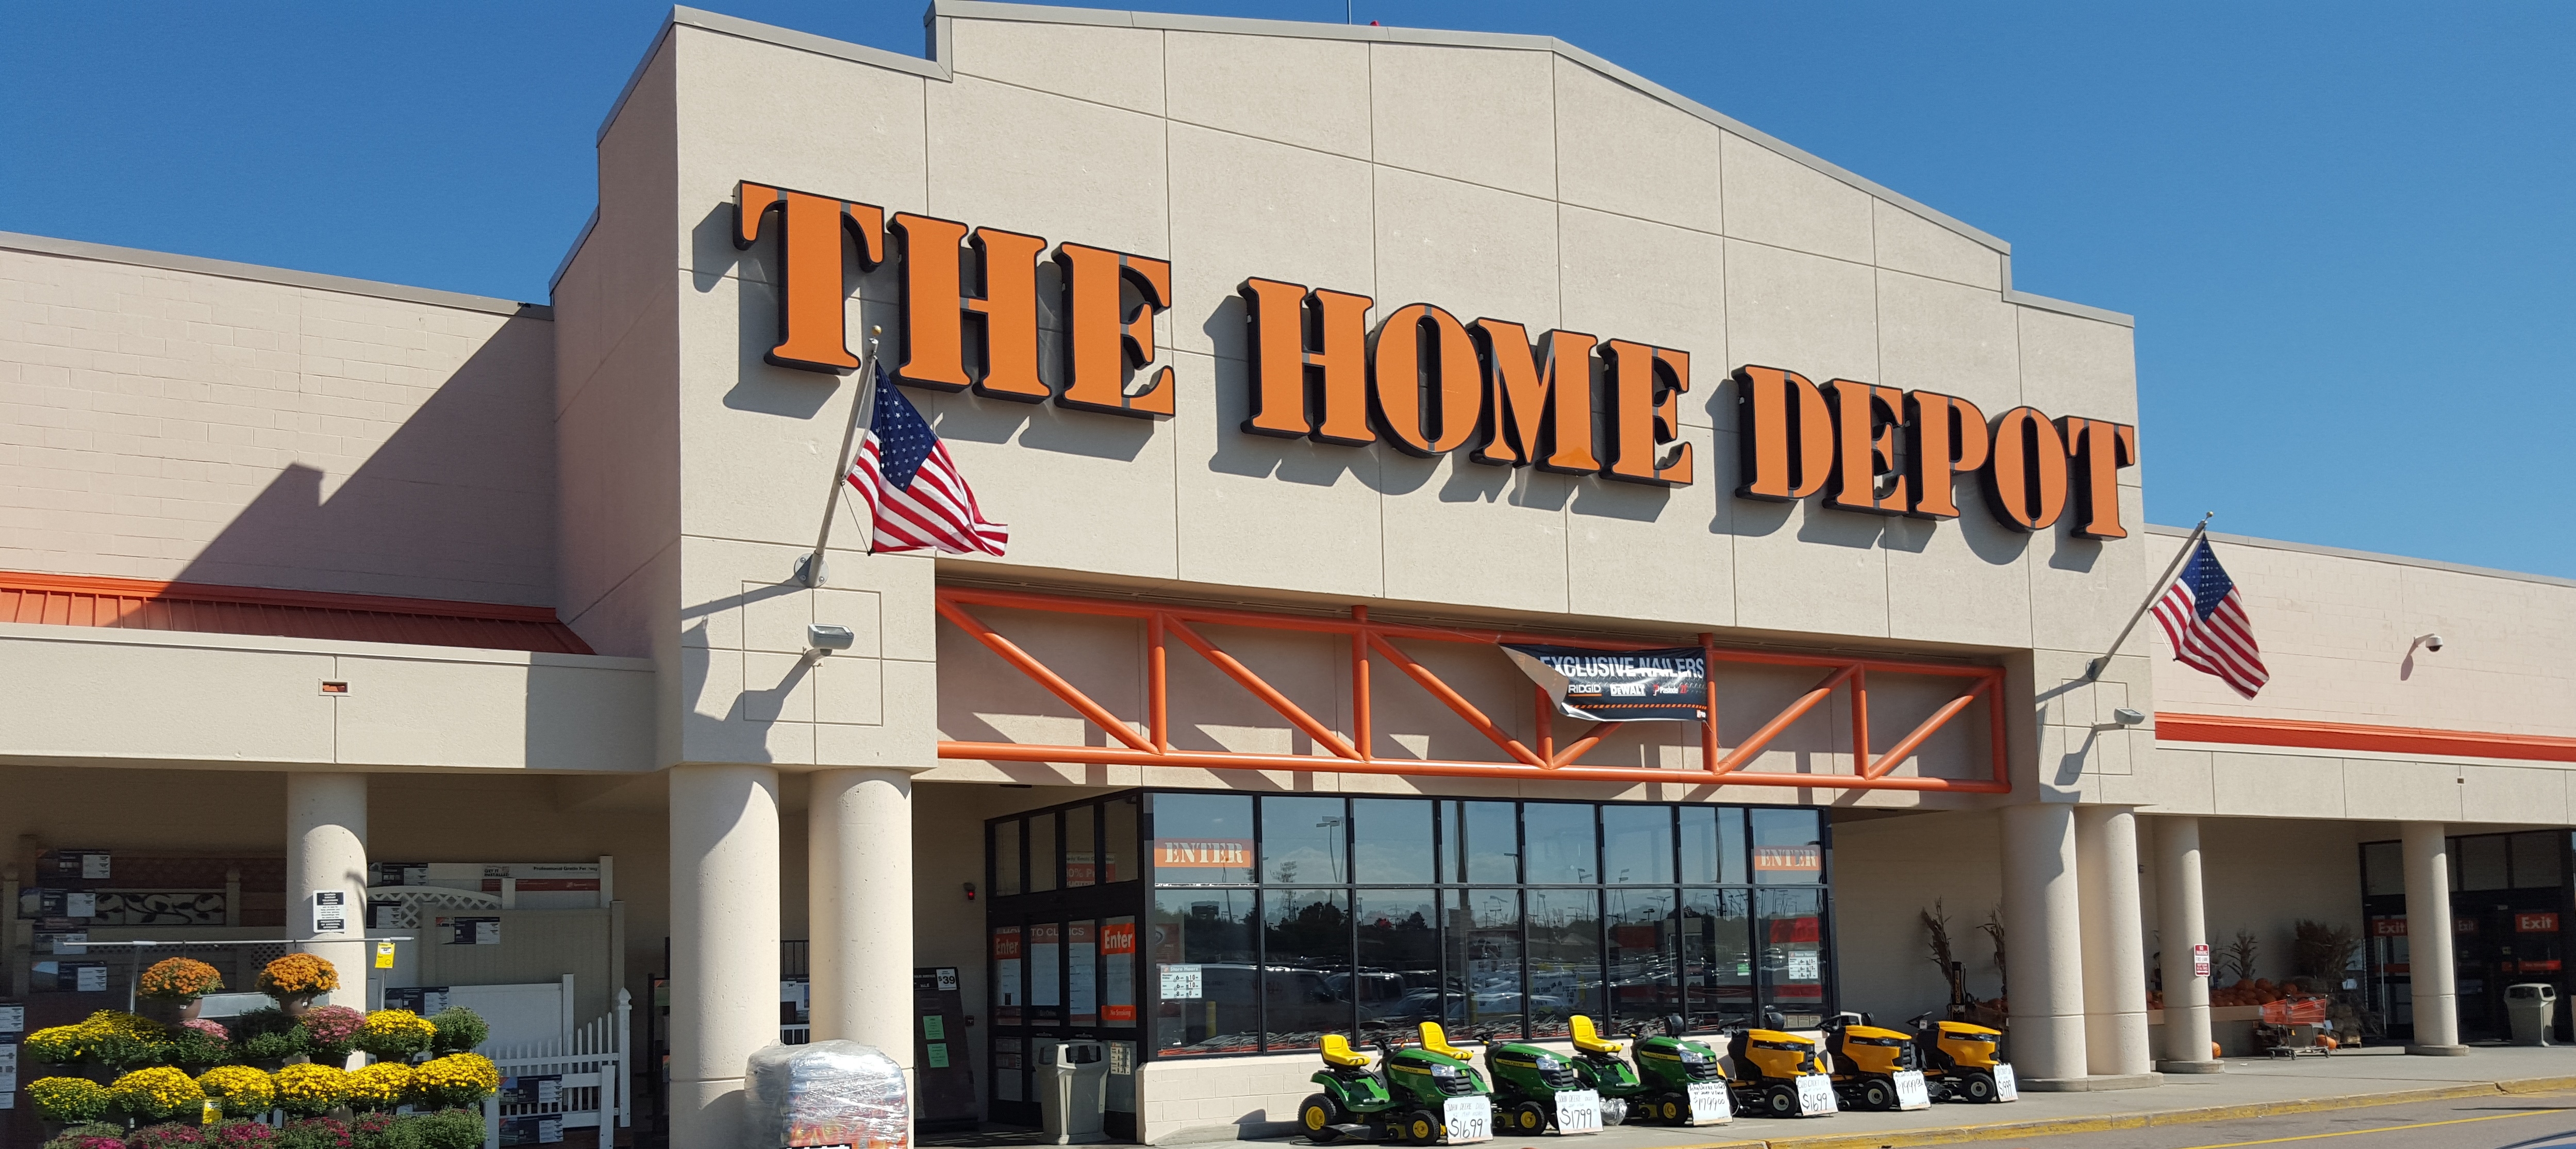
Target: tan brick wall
x,y
169,424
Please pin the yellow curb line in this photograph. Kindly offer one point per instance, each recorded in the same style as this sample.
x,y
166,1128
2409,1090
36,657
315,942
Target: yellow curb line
x,y
1960,1134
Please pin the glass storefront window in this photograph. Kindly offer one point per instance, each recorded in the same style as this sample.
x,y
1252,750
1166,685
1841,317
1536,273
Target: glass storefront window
x,y
1391,841
1118,839
1637,845
1006,858
1712,846
1301,840
1202,839
1200,962
1717,957
1640,927
2535,860
1398,980
1564,958
2383,868
1793,954
1305,983
1481,842
1043,858
1484,959
1081,848
1561,846
1788,848
2482,862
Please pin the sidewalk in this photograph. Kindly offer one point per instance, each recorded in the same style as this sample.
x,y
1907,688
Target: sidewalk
x,y
2249,1088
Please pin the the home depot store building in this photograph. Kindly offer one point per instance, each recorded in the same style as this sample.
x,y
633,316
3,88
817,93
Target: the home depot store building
x,y
1270,344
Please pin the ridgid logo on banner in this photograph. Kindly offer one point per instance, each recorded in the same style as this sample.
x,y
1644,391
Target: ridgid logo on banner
x,y
1422,380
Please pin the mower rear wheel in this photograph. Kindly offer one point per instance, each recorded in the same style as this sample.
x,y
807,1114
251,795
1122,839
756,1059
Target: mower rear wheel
x,y
1527,1117
1318,1114
1780,1100
1877,1095
1421,1127
1976,1087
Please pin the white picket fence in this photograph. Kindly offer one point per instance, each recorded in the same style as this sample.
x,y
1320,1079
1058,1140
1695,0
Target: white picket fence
x,y
596,1087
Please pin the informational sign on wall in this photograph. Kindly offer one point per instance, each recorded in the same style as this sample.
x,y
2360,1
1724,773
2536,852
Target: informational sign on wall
x,y
2200,960
1008,997
1181,982
330,911
1118,972
1082,973
1668,685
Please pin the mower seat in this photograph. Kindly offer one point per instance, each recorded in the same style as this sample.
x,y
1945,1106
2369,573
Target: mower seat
x,y
1438,1042
1337,1051
1589,1040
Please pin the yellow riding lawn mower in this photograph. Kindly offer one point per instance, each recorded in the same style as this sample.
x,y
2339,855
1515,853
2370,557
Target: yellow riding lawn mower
x,y
1875,1069
1779,1073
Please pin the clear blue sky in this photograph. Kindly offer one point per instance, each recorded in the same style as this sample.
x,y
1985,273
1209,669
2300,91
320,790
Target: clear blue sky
x,y
2348,230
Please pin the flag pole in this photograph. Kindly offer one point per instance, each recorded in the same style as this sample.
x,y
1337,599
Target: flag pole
x,y
809,568
2093,669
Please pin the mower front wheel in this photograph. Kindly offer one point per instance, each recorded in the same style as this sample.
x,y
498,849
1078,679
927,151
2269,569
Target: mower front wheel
x,y
1528,1117
1780,1100
1976,1087
1421,1127
1319,1114
1876,1095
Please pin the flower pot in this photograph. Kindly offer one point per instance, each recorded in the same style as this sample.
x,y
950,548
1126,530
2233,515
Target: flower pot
x,y
170,1012
294,1004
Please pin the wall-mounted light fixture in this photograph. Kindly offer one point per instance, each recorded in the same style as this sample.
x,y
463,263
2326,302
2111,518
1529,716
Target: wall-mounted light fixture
x,y
2128,717
821,640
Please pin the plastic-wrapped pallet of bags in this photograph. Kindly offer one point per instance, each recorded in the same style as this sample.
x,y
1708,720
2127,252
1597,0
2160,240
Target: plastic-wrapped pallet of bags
x,y
828,1093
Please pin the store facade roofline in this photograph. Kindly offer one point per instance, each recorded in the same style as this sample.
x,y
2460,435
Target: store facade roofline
x,y
938,67
2367,556
256,273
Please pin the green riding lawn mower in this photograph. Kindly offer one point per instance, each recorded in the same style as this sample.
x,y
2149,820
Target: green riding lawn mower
x,y
1673,1081
1422,1095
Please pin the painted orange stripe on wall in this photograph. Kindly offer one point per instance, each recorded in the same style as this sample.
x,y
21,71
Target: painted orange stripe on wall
x,y
205,608
2353,736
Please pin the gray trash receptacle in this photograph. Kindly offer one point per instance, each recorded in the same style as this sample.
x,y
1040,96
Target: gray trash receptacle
x,y
1073,1092
2532,1006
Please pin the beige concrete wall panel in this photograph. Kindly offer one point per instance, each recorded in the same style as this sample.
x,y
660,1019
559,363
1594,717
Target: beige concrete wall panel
x,y
78,699
2528,794
1955,340
1772,199
2177,782
1633,279
1805,567
622,266
1309,93
1462,531
1959,581
2401,791
1244,207
2277,785
2077,366
1636,551
2082,590
985,699
1882,884
1078,490
1212,712
1900,702
776,116
1408,722
1620,150
1749,696
1121,67
618,486
1478,252
1475,114
1260,511
1910,243
1817,317
1047,165
545,716
757,442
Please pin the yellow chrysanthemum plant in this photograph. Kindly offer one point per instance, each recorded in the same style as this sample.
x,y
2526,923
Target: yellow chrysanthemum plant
x,y
311,1090
241,1090
456,1080
157,1094
108,1038
395,1034
380,1086
70,1100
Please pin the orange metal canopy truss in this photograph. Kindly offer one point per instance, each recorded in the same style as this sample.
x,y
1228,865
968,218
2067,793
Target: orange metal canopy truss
x,y
1353,755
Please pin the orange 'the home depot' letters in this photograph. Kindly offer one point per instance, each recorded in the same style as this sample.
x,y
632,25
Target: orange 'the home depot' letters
x,y
812,320
1788,434
1397,365
1296,333
1945,437
1539,402
1865,420
1104,338
2026,477
936,306
1646,385
2100,448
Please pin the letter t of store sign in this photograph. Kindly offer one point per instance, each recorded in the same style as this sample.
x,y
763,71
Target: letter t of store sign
x,y
812,325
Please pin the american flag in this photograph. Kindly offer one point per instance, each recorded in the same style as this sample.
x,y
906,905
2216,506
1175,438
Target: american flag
x,y
2204,619
916,499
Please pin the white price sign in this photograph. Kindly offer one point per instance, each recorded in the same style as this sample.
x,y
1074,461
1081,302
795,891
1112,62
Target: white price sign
x,y
1815,1095
2200,960
1182,981
1709,1104
2005,1088
1578,1111
1468,1119
1910,1091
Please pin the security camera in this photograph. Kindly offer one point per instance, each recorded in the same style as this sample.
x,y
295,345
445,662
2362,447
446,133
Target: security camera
x,y
2430,642
822,640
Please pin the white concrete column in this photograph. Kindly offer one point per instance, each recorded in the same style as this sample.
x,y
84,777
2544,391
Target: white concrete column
x,y
724,944
2043,943
326,851
859,872
2115,956
2183,925
2428,940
